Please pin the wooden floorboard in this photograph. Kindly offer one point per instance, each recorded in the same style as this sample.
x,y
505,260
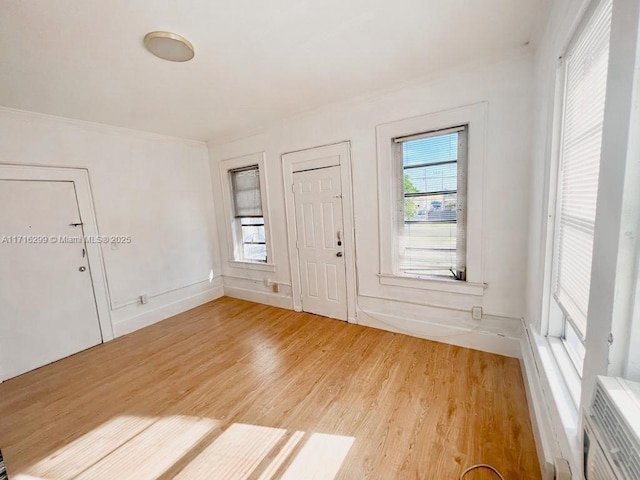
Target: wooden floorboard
x,y
236,390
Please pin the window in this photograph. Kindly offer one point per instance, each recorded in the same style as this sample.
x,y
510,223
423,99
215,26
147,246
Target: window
x,y
431,235
436,244
243,180
585,78
251,245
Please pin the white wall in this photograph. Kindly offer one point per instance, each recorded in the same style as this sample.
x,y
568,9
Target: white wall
x,y
506,86
155,188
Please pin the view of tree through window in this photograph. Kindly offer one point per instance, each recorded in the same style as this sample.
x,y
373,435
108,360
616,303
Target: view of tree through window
x,y
431,241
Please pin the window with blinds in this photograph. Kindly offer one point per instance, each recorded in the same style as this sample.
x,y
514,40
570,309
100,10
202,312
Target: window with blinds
x,y
431,235
248,217
585,71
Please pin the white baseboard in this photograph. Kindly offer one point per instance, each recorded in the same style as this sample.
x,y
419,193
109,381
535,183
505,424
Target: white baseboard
x,y
153,316
546,444
498,335
493,334
460,336
273,299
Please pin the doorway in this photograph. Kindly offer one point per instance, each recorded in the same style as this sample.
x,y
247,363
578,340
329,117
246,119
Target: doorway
x,y
320,232
47,302
318,205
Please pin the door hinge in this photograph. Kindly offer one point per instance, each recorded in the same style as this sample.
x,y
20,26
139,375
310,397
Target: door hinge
x,y
610,339
297,245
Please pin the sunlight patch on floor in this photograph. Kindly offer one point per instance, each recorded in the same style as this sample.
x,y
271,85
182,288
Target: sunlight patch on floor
x,y
131,447
73,458
153,451
320,458
282,456
235,454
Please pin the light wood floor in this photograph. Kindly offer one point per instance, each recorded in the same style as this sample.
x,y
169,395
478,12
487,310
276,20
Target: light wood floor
x,y
235,390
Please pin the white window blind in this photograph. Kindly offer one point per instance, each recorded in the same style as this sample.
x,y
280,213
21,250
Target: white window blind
x,y
431,235
250,234
245,184
584,99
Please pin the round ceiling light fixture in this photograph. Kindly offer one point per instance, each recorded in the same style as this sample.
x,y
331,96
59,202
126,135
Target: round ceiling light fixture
x,y
169,46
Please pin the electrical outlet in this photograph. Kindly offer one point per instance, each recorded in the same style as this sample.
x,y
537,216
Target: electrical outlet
x,y
476,313
144,298
275,288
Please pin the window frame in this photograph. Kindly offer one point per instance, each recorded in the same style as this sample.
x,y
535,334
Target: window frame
x,y
389,183
461,201
556,323
235,242
240,222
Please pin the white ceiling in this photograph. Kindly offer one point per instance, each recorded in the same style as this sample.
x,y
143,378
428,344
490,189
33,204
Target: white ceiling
x,y
256,60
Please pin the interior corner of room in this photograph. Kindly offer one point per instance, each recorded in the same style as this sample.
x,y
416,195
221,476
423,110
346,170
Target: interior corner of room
x,y
278,227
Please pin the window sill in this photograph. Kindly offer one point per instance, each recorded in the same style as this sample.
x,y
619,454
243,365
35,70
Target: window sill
x,y
565,365
441,285
265,267
559,392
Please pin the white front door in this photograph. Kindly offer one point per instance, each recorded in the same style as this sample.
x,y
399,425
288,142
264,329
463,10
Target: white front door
x,y
47,304
320,234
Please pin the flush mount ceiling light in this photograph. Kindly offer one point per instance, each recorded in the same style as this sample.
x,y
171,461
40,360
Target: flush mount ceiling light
x,y
169,46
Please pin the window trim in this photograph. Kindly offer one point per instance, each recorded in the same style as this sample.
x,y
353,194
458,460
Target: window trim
x,y
461,166
239,220
233,245
475,116
441,284
554,319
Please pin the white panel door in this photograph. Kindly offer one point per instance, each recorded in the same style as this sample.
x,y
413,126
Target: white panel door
x,y
318,206
47,304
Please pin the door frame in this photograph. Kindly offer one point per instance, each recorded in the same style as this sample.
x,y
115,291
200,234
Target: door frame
x,y
337,154
82,186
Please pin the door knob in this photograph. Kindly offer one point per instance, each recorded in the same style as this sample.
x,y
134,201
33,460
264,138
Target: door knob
x,y
339,254
83,268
